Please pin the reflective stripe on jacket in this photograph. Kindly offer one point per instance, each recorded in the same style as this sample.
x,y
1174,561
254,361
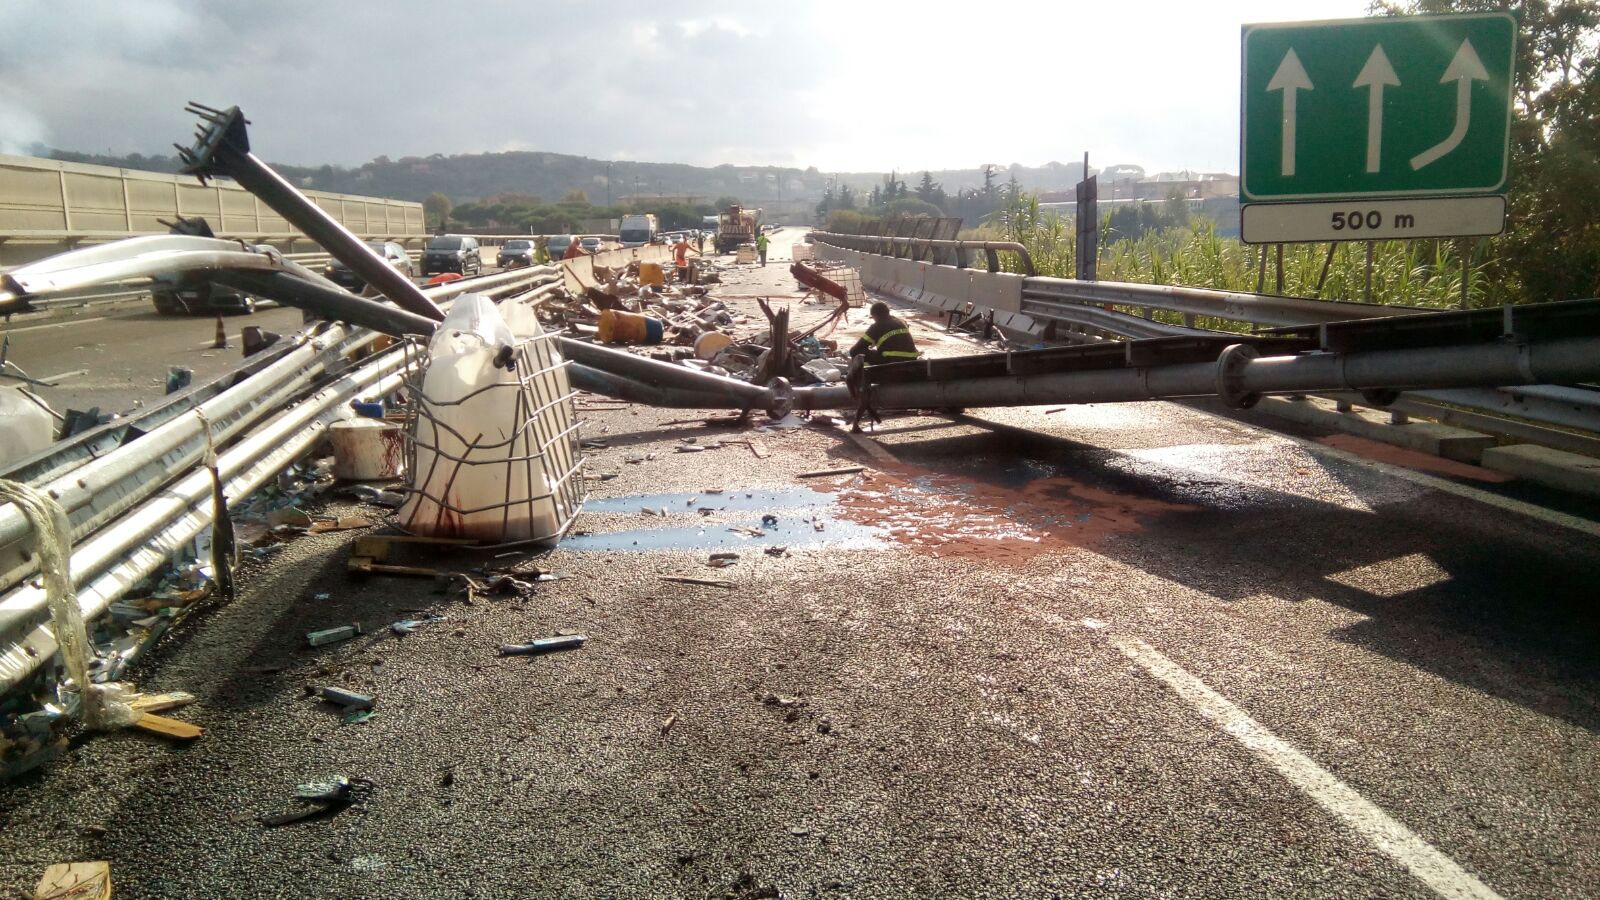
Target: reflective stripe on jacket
x,y
887,340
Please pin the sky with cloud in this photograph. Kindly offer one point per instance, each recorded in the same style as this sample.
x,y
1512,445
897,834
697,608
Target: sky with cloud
x,y
843,86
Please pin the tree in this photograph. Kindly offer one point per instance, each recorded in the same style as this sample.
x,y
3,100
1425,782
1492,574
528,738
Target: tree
x,y
989,191
875,199
911,207
925,187
827,201
847,197
848,221
576,195
1552,245
436,208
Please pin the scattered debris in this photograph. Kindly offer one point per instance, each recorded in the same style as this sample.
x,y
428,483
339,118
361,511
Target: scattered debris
x,y
168,728
333,635
668,722
722,560
777,551
322,798
154,703
350,700
370,494
371,554
544,645
342,523
75,881
509,585
689,579
769,520
359,717
825,473
408,626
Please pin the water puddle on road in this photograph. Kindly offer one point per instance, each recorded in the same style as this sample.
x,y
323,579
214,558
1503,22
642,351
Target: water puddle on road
x,y
998,511
796,513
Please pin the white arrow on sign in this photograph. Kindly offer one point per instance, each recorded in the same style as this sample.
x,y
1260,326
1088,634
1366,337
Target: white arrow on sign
x,y
1464,68
1290,77
1374,75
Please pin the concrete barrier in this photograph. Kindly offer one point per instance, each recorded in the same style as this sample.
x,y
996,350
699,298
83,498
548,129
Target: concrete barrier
x,y
578,273
1556,468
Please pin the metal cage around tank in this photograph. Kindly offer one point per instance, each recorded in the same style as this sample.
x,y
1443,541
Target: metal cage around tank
x,y
531,436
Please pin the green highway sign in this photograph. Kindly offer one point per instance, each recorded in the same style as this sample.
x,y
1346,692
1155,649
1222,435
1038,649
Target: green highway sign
x,y
1412,106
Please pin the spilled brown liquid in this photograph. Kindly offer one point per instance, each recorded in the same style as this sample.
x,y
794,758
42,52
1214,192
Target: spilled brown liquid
x,y
952,515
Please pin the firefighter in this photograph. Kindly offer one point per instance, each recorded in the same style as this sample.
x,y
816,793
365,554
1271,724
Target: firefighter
x,y
887,338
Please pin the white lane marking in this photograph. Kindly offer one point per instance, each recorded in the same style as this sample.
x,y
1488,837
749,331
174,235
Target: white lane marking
x,y
1420,858
1460,490
52,325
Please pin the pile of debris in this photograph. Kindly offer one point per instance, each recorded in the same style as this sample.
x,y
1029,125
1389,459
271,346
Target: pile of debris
x,y
679,322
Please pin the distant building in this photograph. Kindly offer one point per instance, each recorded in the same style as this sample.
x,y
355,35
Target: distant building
x,y
646,198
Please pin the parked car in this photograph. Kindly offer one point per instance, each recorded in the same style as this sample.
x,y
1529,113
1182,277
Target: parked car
x,y
392,253
514,254
557,246
191,293
451,253
591,245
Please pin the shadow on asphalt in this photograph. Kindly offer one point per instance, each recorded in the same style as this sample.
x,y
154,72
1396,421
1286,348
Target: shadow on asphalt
x,y
1510,612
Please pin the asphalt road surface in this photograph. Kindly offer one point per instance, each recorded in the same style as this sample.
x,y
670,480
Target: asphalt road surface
x,y
1138,650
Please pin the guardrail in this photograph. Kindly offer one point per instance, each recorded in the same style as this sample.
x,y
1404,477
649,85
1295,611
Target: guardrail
x,y
131,507
952,252
101,296
1566,418
1047,295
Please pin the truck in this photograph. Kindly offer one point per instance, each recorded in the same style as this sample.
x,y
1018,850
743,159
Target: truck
x,y
737,225
638,229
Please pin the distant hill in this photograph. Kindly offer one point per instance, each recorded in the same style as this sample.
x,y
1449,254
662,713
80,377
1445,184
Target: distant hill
x,y
550,176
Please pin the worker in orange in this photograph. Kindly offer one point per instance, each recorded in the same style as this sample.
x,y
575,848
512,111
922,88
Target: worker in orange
x,y
574,249
887,339
680,257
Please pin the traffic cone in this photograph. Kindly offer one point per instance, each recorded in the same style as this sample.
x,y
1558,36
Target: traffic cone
x,y
221,343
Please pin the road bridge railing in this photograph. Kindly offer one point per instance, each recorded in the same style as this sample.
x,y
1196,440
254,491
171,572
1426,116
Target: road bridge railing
x,y
1565,417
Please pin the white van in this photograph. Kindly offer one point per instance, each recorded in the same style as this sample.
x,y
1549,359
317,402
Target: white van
x,y
638,230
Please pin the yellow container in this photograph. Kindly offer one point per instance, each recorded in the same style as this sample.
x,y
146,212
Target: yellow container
x,y
652,274
622,327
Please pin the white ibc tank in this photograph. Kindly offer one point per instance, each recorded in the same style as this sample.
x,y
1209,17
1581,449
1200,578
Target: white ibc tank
x,y
29,427
494,446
